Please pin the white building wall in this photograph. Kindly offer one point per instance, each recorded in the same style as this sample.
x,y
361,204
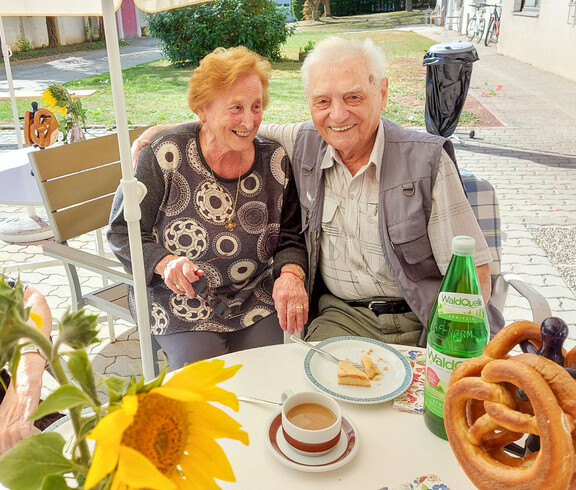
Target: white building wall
x,y
33,29
546,41
72,29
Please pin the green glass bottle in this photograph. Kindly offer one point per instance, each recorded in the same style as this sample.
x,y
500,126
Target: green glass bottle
x,y
457,329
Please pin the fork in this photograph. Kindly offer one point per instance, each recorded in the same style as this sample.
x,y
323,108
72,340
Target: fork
x,y
298,340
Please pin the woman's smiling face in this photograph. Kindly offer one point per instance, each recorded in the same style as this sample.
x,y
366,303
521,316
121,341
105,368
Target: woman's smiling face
x,y
233,118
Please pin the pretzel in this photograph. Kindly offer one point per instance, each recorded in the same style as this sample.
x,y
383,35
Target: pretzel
x,y
40,128
570,359
483,413
511,336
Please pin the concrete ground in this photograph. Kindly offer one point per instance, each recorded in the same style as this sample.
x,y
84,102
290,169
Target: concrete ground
x,y
530,160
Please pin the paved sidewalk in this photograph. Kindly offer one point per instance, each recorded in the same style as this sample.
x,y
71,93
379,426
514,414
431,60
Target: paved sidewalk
x,y
530,160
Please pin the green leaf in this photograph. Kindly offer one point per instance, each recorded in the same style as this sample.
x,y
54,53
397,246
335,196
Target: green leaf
x,y
54,482
114,387
80,367
63,398
25,466
86,425
78,329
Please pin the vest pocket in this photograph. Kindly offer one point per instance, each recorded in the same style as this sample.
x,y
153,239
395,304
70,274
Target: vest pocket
x,y
412,247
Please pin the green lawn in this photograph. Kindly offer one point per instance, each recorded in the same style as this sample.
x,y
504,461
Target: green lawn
x,y
156,92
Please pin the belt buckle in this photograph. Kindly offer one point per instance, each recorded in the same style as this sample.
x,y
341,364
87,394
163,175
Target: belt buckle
x,y
376,302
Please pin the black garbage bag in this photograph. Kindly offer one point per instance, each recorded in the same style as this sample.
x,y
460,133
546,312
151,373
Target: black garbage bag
x,y
448,72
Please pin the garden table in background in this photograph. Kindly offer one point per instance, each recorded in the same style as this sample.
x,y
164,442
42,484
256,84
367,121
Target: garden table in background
x,y
18,188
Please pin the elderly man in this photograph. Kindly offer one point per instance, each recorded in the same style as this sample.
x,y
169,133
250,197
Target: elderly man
x,y
380,204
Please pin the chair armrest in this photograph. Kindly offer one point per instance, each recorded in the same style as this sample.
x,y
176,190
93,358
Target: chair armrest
x,y
538,304
92,262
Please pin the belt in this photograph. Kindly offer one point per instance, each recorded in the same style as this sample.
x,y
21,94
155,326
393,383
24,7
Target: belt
x,y
383,306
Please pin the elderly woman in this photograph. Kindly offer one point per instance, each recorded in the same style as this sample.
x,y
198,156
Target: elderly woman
x,y
224,258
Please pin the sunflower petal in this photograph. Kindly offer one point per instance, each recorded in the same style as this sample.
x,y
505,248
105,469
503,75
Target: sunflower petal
x,y
211,421
37,319
108,435
207,459
180,394
202,377
138,472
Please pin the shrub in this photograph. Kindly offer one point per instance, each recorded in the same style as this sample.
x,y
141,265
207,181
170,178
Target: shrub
x,y
188,34
24,44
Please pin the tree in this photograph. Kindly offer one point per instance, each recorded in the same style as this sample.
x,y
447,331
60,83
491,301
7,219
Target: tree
x,y
314,6
53,35
408,5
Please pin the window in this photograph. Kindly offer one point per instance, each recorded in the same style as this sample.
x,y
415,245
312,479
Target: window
x,y
530,5
527,7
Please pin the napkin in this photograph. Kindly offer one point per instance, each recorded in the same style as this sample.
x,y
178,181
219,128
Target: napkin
x,y
412,400
426,482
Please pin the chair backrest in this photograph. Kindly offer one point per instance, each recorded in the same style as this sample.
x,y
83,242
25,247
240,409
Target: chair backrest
x,y
78,182
482,198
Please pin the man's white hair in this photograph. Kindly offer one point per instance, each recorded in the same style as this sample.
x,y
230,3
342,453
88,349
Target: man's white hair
x,y
334,49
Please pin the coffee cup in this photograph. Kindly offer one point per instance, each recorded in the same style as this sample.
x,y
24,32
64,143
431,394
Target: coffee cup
x,y
311,422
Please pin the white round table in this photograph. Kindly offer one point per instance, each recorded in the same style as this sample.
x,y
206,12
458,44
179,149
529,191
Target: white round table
x,y
18,187
394,446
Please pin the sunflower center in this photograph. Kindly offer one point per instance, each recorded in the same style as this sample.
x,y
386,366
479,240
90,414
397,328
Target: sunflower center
x,y
159,430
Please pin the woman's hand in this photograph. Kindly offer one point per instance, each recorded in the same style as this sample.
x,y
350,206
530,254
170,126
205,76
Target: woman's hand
x,y
145,139
291,302
179,273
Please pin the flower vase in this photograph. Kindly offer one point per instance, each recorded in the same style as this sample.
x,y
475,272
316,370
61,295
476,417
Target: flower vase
x,y
76,134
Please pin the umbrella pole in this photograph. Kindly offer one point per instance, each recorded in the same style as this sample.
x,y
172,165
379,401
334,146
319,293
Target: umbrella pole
x,y
6,53
130,189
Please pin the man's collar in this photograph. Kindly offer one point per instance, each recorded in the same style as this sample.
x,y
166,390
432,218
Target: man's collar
x,y
332,155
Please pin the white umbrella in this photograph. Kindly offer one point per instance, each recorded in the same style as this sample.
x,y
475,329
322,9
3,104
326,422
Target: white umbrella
x,y
106,9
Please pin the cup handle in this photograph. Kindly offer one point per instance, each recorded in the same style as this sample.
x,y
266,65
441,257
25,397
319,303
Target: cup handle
x,y
286,394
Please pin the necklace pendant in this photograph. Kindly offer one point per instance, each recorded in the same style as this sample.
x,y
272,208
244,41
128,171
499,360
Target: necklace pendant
x,y
230,225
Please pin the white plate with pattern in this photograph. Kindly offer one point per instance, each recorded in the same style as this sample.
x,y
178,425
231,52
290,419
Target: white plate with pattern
x,y
323,372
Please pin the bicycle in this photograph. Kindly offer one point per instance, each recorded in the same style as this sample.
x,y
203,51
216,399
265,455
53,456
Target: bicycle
x,y
493,25
477,23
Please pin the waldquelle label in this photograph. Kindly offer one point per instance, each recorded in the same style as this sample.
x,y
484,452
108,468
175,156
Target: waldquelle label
x,y
439,367
460,307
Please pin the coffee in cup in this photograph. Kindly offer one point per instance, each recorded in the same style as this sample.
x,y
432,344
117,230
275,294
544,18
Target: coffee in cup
x,y
311,416
311,422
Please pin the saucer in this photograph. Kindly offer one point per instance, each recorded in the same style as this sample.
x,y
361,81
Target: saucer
x,y
342,453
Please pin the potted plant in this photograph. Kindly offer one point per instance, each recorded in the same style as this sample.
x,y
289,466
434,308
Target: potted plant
x,y
58,99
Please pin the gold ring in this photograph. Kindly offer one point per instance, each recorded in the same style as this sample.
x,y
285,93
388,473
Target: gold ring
x,y
178,286
301,307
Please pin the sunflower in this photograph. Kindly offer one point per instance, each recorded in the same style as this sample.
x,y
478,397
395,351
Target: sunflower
x,y
164,438
55,99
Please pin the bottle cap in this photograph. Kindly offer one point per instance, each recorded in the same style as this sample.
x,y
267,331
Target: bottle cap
x,y
463,245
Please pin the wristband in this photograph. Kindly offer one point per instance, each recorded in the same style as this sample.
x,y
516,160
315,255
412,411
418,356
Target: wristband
x,y
31,348
295,273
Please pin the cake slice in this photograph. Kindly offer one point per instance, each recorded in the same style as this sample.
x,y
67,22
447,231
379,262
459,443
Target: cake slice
x,y
369,367
349,375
